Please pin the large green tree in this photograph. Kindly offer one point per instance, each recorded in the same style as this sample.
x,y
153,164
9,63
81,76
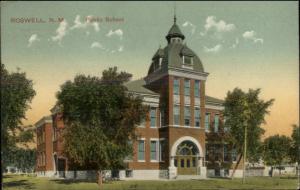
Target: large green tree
x,y
100,117
22,158
276,150
246,109
16,95
295,148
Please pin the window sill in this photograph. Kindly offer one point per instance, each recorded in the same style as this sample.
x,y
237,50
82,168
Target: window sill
x,y
155,161
141,161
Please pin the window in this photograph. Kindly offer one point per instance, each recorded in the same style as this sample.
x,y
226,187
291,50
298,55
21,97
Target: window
x,y
176,115
187,60
141,150
197,88
216,123
152,117
234,154
186,87
182,163
197,117
226,129
176,86
207,121
187,116
154,150
226,154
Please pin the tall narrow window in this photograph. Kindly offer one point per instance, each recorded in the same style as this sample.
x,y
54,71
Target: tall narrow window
x,y
234,154
187,116
141,150
226,155
154,150
216,123
176,115
153,117
186,87
197,88
176,86
207,121
197,117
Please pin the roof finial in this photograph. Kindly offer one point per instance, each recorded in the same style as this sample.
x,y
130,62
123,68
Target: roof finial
x,y
174,12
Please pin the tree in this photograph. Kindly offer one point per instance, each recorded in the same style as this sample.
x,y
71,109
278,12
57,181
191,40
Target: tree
x,y
295,148
100,117
245,111
16,95
276,150
22,158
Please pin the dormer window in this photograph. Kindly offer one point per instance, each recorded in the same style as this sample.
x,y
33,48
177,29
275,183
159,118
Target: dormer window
x,y
157,64
188,60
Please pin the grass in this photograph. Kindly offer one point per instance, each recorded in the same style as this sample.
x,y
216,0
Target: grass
x,y
16,182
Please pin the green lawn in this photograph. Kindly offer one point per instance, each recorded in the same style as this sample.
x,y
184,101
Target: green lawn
x,y
14,182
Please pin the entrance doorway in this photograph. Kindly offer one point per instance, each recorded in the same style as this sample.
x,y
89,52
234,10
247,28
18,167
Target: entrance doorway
x,y
61,165
186,159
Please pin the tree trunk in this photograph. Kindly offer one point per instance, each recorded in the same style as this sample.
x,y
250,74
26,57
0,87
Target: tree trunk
x,y
237,164
100,179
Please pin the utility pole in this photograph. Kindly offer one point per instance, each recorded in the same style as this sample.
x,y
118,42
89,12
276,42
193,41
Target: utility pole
x,y
245,153
247,117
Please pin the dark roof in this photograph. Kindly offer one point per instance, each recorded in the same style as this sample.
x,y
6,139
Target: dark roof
x,y
173,58
214,100
175,32
159,53
139,87
187,51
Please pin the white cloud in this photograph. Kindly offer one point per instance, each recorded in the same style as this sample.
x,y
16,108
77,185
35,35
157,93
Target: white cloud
x,y
121,48
251,35
189,24
33,38
117,32
219,26
97,45
215,49
61,31
78,24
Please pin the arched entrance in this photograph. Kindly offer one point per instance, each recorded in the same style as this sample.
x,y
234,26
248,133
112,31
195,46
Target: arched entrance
x,y
186,158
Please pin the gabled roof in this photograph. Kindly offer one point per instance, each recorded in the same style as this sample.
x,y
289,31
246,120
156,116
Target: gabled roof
x,y
210,99
138,86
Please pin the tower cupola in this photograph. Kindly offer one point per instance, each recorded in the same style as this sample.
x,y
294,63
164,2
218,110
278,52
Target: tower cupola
x,y
174,34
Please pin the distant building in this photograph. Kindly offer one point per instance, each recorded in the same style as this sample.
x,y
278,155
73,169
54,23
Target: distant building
x,y
176,140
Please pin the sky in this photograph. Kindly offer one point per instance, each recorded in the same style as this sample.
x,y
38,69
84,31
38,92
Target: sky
x,y
241,44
